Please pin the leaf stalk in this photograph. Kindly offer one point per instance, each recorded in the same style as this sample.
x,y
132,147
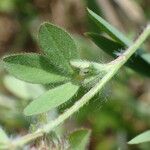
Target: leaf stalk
x,y
116,65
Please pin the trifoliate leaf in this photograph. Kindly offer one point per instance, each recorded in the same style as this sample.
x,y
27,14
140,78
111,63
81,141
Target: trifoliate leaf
x,y
51,99
32,68
143,137
79,140
58,45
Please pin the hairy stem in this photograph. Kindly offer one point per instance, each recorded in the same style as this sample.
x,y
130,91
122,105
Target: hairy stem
x,y
116,65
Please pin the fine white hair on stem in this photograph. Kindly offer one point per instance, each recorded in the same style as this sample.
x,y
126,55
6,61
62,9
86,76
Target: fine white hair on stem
x,y
119,62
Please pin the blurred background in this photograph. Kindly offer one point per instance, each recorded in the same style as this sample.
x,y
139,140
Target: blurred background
x,y
116,115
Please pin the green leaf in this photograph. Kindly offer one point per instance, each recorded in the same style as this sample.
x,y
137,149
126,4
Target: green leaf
x,y
137,59
107,45
3,137
146,57
79,139
109,29
115,34
143,137
58,45
22,89
32,68
51,99
136,62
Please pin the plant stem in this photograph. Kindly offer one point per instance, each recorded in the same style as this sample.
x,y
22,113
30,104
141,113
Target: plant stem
x,y
116,65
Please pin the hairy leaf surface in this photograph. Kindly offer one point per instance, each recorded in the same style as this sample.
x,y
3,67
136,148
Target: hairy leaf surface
x,y
51,99
32,68
58,45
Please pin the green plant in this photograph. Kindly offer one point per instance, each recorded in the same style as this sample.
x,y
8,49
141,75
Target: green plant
x,y
61,65
141,138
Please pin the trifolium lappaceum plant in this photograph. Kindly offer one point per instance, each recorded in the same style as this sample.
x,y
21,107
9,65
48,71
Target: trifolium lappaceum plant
x,y
61,64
